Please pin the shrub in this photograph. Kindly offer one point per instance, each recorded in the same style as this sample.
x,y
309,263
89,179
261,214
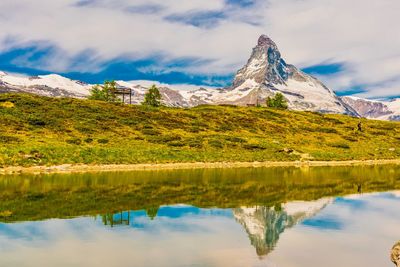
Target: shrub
x,y
235,139
8,139
340,145
150,131
195,143
103,141
216,143
88,140
74,141
36,121
176,144
254,147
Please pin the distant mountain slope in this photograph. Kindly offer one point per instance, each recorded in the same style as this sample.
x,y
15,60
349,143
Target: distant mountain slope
x,y
373,109
46,85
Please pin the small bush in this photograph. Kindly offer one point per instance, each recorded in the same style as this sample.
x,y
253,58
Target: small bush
x,y
350,138
9,139
235,139
254,147
74,141
176,144
150,131
103,141
340,145
327,130
195,143
216,143
88,140
162,139
36,121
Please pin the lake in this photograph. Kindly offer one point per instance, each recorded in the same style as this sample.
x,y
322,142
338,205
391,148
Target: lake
x,y
277,217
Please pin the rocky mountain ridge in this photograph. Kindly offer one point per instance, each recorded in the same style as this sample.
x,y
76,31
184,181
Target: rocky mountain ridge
x,y
373,109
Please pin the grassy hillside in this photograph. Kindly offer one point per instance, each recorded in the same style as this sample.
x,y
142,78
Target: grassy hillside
x,y
48,131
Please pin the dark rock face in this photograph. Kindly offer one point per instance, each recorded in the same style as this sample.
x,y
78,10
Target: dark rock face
x,y
264,66
366,108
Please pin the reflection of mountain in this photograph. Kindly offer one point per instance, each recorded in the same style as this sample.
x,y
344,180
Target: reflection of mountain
x,y
264,225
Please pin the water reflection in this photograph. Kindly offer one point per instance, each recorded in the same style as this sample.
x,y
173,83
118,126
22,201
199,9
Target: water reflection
x,y
264,225
245,217
355,230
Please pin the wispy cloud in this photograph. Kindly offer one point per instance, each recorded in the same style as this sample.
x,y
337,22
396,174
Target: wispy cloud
x,y
87,35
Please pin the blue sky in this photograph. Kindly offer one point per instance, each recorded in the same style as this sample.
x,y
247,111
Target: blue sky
x,y
350,46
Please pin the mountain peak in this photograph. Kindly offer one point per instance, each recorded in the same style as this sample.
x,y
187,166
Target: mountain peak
x,y
264,40
265,65
267,73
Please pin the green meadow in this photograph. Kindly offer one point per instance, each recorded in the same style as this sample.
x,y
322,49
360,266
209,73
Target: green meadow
x,y
38,130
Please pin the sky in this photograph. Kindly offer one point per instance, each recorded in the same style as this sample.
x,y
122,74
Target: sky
x,y
351,46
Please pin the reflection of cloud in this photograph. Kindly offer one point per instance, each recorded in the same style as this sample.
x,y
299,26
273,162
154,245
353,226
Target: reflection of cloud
x,y
364,239
211,237
205,237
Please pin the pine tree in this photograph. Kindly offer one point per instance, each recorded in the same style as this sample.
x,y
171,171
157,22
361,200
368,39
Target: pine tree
x,y
152,97
278,101
104,92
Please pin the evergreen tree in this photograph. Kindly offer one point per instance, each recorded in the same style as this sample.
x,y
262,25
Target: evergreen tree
x,y
278,101
104,92
152,97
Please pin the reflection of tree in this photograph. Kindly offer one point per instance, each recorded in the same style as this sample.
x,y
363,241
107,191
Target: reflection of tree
x,y
152,212
122,218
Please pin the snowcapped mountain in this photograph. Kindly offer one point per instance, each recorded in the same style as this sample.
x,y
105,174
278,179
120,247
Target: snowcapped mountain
x,y
264,225
373,109
267,73
46,85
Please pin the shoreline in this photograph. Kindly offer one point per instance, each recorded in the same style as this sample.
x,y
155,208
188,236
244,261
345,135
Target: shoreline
x,y
82,168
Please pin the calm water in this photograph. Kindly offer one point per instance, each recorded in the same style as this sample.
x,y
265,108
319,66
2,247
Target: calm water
x,y
242,217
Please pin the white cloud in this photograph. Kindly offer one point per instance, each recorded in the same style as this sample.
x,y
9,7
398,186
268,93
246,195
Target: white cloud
x,y
361,33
